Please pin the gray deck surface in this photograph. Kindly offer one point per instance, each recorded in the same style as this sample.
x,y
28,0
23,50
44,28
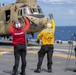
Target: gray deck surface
x,y
58,67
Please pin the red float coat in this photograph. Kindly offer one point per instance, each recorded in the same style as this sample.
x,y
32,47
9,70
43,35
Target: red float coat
x,y
19,35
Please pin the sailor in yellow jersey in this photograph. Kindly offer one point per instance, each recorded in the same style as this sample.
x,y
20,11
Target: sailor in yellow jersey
x,y
47,47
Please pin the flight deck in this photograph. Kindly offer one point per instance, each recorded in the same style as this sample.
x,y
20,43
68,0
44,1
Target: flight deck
x,y
59,60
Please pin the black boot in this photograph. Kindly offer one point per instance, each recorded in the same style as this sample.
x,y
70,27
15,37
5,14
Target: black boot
x,y
37,70
74,70
22,73
49,70
15,73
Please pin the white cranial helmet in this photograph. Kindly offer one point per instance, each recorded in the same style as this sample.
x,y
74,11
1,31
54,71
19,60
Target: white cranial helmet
x,y
48,25
17,25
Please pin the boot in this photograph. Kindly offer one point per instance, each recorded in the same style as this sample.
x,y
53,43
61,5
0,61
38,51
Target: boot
x,y
22,73
37,70
49,70
74,70
15,73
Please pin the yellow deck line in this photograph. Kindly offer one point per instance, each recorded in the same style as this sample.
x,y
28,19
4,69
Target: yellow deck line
x,y
58,55
0,53
7,49
34,52
63,55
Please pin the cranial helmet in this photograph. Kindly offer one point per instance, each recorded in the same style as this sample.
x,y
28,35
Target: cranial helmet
x,y
48,25
17,25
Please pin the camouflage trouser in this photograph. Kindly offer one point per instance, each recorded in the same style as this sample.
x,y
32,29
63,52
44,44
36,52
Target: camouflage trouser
x,y
45,49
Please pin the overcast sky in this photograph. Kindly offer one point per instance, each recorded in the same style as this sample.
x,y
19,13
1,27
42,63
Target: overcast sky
x,y
64,11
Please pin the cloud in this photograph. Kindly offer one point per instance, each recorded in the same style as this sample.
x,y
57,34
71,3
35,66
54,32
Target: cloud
x,y
59,1
71,12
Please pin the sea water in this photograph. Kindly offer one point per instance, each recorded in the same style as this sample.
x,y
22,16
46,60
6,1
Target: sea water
x,y
63,33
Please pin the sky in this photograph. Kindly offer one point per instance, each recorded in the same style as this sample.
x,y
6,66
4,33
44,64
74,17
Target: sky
x,y
64,11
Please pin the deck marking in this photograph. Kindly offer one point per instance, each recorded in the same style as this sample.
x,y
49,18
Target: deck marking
x,y
5,50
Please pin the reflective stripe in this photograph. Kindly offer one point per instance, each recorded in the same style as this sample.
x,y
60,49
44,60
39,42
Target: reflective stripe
x,y
19,33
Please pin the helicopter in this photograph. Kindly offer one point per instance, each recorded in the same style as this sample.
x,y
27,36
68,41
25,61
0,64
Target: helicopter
x,y
14,11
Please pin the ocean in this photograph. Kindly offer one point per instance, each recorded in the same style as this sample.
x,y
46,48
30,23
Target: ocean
x,y
62,33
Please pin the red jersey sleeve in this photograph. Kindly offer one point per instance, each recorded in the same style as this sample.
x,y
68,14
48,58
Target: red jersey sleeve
x,y
27,24
11,28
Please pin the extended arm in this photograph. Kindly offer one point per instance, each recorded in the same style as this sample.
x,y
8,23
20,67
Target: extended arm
x,y
27,24
11,28
53,24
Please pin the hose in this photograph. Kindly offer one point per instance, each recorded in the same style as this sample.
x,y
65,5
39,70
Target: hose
x,y
69,54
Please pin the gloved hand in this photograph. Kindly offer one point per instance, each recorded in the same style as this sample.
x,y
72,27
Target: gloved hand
x,y
24,17
51,16
13,21
38,41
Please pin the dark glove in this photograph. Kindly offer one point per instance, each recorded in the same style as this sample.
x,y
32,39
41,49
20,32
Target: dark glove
x,y
51,16
38,41
23,17
13,21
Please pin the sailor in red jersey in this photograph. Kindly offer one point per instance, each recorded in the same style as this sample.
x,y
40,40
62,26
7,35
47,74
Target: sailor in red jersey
x,y
19,42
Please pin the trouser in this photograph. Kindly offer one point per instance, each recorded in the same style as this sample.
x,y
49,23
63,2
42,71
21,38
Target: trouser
x,y
75,51
19,51
45,49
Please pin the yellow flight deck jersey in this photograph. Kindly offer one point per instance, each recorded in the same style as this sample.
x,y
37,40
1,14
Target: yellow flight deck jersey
x,y
47,36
